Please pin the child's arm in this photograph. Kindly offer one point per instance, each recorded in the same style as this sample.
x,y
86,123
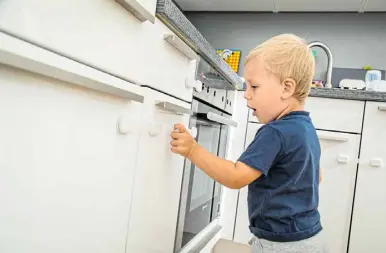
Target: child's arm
x,y
320,175
232,175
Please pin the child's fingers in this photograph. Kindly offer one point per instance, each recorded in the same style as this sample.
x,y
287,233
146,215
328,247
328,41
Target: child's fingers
x,y
176,135
174,143
181,128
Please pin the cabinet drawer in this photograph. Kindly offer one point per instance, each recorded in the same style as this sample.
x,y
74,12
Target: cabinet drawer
x,y
158,178
336,114
118,43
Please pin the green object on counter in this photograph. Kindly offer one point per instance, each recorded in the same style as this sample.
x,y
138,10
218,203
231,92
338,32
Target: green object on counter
x,y
367,67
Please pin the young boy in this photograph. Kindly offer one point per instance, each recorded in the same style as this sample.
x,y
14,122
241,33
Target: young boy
x,y
281,165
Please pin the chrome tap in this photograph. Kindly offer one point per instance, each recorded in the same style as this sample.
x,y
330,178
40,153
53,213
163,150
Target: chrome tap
x,y
330,60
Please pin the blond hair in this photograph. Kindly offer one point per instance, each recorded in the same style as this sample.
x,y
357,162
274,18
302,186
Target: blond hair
x,y
288,56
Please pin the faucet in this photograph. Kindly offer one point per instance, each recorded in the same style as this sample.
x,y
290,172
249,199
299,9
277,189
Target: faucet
x,y
330,60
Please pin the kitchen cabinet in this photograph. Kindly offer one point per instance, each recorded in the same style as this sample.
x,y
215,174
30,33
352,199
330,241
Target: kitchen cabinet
x,y
242,234
119,44
66,172
336,114
339,155
157,184
368,223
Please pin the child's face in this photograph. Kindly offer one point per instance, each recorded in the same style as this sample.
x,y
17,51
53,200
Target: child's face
x,y
264,92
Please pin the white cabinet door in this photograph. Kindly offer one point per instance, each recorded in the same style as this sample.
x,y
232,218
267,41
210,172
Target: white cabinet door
x,y
156,193
242,233
369,224
66,173
339,164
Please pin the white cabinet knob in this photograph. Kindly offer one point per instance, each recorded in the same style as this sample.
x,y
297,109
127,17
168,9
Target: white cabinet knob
x,y
343,159
191,83
376,162
155,129
193,132
126,125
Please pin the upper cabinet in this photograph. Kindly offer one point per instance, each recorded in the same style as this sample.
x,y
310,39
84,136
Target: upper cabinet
x,y
375,5
226,5
317,5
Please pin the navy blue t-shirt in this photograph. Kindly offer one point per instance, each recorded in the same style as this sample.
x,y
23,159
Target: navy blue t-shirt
x,y
283,202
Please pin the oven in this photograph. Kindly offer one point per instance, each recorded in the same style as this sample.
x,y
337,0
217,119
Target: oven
x,y
200,195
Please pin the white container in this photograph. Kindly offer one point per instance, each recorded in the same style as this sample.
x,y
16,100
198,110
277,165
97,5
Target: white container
x,y
372,76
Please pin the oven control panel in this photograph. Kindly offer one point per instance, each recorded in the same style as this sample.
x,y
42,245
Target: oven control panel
x,y
219,98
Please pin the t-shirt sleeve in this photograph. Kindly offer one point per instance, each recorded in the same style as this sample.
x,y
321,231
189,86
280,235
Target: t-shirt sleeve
x,y
264,150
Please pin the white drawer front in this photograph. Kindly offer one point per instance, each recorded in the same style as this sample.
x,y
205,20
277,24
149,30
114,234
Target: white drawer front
x,y
336,114
102,34
158,178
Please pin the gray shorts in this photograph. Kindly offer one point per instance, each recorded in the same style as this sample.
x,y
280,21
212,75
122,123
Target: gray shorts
x,y
315,244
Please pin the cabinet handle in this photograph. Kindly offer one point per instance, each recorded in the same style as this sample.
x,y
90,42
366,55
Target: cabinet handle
x,y
220,119
126,125
173,108
26,56
155,129
332,138
382,108
178,44
343,159
376,163
137,9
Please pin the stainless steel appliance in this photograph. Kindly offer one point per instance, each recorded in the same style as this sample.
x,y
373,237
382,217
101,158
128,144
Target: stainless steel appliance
x,y
200,195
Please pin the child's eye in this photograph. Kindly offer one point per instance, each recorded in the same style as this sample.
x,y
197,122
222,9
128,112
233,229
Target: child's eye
x,y
254,86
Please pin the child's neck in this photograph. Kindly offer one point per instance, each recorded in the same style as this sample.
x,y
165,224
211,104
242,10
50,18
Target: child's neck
x,y
292,107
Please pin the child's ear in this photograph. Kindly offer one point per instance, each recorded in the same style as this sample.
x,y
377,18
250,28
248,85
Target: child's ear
x,y
289,86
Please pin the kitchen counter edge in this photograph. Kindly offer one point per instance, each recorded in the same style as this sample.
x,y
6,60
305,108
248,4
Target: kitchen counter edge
x,y
360,95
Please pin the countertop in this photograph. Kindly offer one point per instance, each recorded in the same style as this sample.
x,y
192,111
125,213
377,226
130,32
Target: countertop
x,y
361,95
173,17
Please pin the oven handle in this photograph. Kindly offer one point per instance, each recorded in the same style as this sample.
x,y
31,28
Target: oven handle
x,y
221,119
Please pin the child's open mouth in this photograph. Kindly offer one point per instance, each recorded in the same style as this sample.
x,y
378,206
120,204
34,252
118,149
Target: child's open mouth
x,y
253,110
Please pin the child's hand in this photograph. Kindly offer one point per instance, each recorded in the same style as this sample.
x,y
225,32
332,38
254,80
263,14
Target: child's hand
x,y
183,143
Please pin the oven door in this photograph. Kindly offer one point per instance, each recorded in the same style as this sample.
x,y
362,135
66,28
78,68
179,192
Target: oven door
x,y
201,195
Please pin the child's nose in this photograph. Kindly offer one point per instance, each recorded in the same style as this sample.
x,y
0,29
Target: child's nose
x,y
246,95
